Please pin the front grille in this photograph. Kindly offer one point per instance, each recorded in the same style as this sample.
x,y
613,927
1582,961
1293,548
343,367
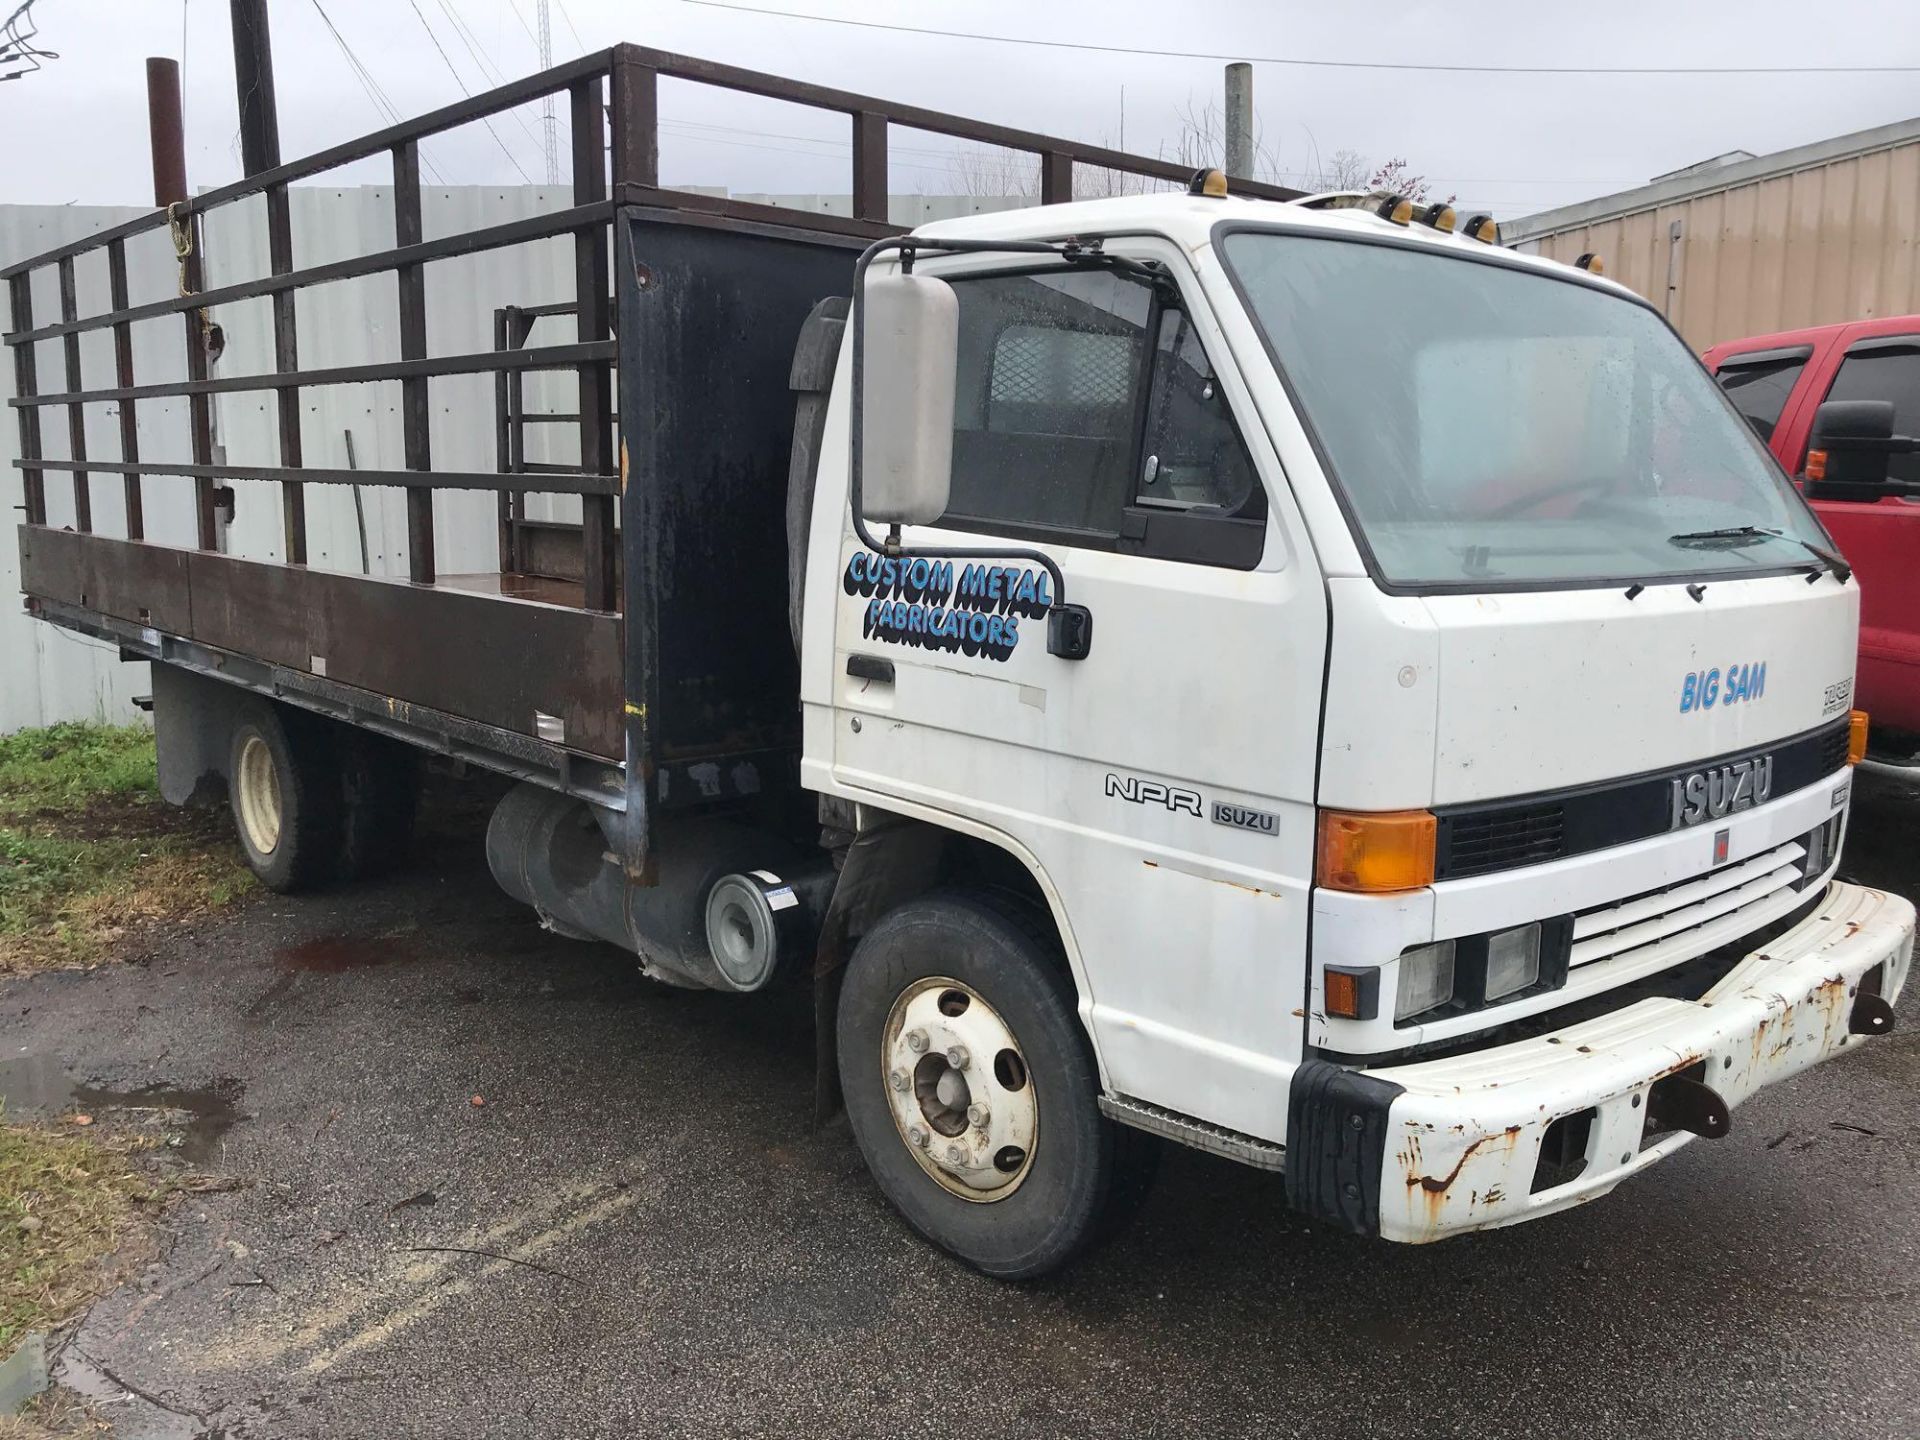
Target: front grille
x,y
1670,924
1833,752
1503,839
1490,836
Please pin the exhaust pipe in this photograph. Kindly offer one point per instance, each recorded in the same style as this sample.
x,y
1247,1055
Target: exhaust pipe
x,y
554,852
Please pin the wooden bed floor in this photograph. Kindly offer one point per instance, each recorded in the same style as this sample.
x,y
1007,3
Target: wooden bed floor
x,y
546,590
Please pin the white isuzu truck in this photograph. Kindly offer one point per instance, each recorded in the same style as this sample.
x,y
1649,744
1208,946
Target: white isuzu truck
x,y
1292,678
1446,811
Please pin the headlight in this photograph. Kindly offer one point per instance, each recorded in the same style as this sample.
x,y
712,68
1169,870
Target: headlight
x,y
1513,961
1426,980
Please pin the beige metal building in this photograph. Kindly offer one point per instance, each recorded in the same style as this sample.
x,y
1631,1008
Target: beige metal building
x,y
1742,244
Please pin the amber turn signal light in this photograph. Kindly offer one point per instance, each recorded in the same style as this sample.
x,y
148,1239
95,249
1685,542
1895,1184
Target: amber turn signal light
x,y
1816,465
1856,736
1375,853
1342,994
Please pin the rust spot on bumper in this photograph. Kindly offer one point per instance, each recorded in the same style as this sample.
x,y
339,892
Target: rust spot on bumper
x,y
1439,1185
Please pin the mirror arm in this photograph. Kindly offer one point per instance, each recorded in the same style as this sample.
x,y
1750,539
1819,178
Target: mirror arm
x,y
1069,627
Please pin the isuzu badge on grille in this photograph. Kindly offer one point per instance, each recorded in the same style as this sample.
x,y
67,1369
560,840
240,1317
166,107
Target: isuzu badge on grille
x,y
1721,789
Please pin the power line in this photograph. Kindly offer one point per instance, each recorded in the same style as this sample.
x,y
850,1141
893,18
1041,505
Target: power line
x,y
383,105
447,60
570,25
515,8
488,70
1321,63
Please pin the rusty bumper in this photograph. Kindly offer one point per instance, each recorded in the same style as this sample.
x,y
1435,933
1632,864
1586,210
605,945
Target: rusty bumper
x,y
1461,1141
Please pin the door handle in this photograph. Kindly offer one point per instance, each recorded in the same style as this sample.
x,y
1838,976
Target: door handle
x,y
870,667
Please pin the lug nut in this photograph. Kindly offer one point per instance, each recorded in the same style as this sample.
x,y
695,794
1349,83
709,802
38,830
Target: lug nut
x,y
917,1041
898,1079
957,1056
978,1115
956,1154
918,1137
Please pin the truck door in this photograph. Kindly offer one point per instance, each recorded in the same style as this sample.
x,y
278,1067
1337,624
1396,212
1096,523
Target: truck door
x,y
1882,362
1161,788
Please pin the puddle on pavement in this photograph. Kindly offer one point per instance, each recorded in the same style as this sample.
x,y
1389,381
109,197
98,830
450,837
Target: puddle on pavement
x,y
138,1416
36,1087
335,954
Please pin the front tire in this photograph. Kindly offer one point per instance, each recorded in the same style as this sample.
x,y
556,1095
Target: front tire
x,y
284,791
971,1087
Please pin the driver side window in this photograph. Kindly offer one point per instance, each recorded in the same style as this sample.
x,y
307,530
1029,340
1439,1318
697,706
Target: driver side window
x,y
1086,413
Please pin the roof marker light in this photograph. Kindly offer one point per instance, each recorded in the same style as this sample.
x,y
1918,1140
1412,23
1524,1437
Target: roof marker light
x,y
1482,228
1440,216
1396,208
1591,263
1211,183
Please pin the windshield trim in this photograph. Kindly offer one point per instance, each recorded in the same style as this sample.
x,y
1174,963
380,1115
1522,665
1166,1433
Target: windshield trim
x,y
1491,255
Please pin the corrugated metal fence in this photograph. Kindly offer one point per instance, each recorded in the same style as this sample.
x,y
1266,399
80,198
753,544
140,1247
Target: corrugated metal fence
x,y
48,674
1807,237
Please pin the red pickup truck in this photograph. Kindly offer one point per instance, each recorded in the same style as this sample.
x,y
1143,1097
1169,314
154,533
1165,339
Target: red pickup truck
x,y
1798,389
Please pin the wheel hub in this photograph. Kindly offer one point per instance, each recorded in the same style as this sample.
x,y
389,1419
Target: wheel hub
x,y
959,1090
257,781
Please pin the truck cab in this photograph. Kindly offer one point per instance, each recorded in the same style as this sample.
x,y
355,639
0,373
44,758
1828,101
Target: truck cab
x,y
1446,807
1779,382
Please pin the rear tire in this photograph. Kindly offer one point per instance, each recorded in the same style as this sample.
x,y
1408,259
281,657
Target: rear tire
x,y
1005,1159
284,789
380,788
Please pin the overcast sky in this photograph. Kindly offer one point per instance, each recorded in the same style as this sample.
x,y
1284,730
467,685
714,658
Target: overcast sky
x,y
1514,143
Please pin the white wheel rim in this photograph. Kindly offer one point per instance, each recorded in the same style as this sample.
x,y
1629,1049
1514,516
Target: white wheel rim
x,y
257,783
959,1089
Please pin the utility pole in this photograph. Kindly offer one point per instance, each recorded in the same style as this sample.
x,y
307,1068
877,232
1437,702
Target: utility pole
x,y
253,78
547,122
1240,120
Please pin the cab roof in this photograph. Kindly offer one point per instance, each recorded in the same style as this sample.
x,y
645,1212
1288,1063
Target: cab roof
x,y
1190,221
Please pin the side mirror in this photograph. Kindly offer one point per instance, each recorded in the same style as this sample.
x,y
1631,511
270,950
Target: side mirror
x,y
1852,443
912,331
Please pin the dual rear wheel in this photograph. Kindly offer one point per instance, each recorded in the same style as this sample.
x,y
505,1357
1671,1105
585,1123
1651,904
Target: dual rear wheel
x,y
315,801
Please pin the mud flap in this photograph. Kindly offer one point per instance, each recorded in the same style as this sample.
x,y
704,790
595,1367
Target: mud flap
x,y
193,719
1337,1144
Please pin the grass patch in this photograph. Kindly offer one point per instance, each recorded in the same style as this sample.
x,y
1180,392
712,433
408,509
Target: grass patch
x,y
88,850
65,1204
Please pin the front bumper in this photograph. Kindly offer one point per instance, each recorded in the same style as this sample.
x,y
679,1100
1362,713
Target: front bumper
x,y
1422,1151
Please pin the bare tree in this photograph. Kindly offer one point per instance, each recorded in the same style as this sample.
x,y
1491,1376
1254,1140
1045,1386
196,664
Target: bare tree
x,y
1395,178
983,171
992,171
1344,170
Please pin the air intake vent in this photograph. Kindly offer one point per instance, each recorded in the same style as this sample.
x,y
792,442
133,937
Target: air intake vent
x,y
1833,751
1478,844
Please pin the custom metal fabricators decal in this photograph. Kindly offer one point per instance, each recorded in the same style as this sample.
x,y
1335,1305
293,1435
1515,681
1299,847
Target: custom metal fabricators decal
x,y
1720,790
1704,689
923,603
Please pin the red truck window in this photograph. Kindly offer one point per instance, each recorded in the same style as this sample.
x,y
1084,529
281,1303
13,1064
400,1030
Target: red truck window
x,y
1759,386
1886,371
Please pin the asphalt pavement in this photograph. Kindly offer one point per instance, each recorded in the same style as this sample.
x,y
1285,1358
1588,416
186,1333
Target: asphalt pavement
x,y
490,1182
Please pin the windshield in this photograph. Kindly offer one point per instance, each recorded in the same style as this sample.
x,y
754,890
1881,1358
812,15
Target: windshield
x,y
1487,425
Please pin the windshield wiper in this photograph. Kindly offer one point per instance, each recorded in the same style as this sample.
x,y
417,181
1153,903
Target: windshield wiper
x,y
1828,558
